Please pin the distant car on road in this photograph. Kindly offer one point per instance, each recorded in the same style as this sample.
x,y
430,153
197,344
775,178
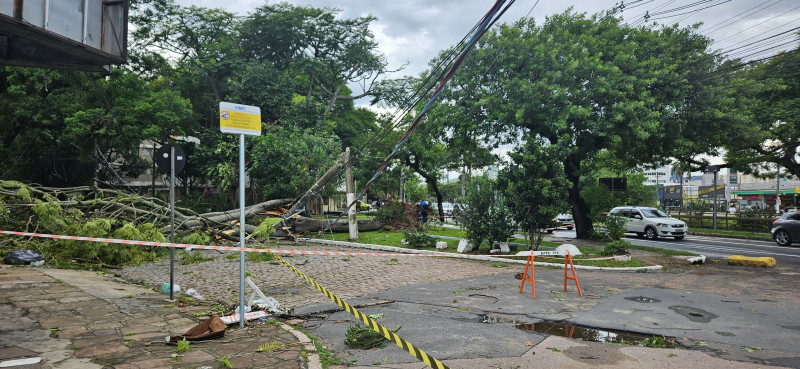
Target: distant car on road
x,y
786,228
447,209
651,223
565,220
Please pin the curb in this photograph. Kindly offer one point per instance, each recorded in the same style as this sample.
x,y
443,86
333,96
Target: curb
x,y
313,361
764,261
720,235
475,257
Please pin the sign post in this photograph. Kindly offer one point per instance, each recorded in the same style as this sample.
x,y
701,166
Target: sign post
x,y
170,157
242,120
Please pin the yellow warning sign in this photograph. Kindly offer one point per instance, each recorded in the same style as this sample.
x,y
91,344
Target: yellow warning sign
x,y
239,119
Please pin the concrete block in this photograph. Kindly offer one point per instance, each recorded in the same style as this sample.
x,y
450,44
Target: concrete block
x,y
504,247
440,245
464,246
765,261
573,250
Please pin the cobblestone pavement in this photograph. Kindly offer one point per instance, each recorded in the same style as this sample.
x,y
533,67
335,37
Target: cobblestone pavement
x,y
346,277
68,326
81,319
349,277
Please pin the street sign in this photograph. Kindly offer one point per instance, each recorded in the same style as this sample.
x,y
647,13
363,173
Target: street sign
x,y
163,161
239,119
615,183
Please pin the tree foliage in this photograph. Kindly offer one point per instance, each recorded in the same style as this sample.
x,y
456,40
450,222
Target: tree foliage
x,y
591,84
483,215
767,97
535,188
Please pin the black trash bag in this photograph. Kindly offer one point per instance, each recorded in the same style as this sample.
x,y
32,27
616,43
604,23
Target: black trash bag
x,y
22,257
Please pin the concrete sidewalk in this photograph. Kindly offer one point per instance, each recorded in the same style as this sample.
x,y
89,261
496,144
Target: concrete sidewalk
x,y
54,318
80,319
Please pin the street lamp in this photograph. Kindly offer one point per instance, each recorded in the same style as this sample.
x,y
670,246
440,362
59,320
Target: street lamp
x,y
715,169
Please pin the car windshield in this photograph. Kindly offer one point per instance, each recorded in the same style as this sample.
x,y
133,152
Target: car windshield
x,y
654,213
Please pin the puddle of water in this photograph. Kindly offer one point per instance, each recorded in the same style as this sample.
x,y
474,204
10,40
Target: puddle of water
x,y
694,314
647,300
591,334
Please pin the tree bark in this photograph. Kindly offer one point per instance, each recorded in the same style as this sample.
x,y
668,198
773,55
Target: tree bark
x,y
303,224
230,215
431,181
580,210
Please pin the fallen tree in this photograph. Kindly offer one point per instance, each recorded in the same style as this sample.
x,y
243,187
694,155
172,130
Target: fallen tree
x,y
30,207
299,224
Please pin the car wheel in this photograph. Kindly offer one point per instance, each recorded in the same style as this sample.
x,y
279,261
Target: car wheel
x,y
639,234
650,233
783,238
679,238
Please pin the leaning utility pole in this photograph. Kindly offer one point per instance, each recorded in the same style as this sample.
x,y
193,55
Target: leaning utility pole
x,y
351,196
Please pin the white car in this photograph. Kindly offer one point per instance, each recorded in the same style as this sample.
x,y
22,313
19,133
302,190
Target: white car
x,y
565,220
651,223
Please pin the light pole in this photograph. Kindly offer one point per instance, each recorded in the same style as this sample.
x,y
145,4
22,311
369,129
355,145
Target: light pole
x,y
715,169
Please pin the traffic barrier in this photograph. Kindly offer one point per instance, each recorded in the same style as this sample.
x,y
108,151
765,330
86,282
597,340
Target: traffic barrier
x,y
742,260
574,277
525,277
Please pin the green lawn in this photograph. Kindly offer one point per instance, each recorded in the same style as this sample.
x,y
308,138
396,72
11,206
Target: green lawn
x,y
395,238
763,235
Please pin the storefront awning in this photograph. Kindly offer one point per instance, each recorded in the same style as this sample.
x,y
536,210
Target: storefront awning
x,y
763,192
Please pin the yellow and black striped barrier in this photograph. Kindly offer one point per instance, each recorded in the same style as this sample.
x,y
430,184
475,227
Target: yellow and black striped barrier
x,y
389,335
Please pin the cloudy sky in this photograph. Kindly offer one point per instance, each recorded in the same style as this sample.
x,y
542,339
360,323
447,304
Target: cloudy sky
x,y
413,31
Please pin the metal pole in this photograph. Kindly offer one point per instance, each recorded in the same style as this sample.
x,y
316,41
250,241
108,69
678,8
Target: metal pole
x,y
715,201
241,231
778,192
352,222
171,221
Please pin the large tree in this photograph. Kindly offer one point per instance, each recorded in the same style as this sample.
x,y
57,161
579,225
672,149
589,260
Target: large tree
x,y
66,128
768,102
591,84
294,62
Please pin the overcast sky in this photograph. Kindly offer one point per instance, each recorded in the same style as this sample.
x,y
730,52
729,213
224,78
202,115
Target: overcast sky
x,y
414,31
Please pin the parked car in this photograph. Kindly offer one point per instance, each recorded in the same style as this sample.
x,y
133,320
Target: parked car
x,y
447,208
565,220
651,223
786,228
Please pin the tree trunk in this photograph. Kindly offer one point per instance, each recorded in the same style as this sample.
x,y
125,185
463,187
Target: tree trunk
x,y
230,215
431,181
580,210
303,224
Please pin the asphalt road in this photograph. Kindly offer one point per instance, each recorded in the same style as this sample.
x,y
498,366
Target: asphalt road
x,y
717,247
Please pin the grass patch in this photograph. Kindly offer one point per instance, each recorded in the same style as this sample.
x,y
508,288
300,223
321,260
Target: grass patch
x,y
395,238
194,257
766,236
259,256
661,251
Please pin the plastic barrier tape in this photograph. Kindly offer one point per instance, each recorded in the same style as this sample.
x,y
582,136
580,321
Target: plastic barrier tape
x,y
391,336
189,246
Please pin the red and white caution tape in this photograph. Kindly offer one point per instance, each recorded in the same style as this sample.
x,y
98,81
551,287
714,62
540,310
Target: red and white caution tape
x,y
230,248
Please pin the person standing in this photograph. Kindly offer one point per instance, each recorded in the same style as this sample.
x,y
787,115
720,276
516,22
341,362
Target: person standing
x,y
424,209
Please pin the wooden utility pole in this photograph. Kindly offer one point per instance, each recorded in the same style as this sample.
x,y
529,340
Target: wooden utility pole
x,y
351,196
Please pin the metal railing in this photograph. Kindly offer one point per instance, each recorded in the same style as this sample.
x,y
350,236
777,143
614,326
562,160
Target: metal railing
x,y
749,222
